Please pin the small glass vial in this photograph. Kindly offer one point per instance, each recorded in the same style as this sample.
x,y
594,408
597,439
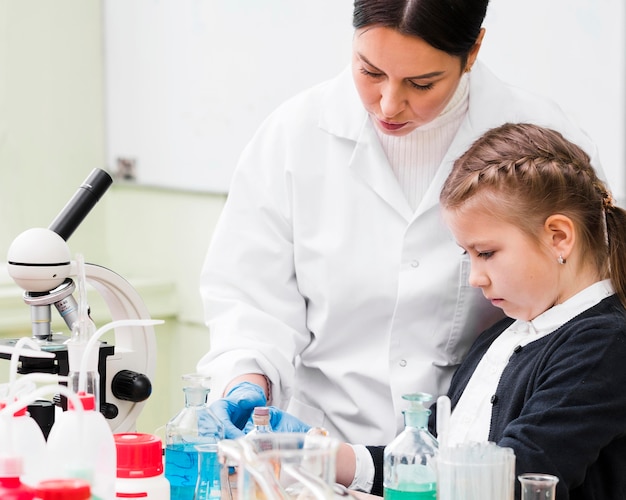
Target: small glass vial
x,y
538,486
261,421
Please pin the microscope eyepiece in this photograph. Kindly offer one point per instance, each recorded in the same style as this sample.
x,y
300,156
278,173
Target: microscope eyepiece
x,y
85,198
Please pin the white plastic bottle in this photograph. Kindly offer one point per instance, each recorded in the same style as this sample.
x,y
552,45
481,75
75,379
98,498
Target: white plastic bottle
x,y
81,446
20,435
140,467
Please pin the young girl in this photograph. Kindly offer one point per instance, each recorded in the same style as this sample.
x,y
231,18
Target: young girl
x,y
548,246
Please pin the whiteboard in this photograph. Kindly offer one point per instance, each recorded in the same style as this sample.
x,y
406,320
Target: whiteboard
x,y
573,51
189,81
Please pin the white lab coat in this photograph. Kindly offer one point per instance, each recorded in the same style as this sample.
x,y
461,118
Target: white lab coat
x,y
320,275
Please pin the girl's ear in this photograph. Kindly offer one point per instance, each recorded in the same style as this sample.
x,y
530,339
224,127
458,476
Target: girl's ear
x,y
561,235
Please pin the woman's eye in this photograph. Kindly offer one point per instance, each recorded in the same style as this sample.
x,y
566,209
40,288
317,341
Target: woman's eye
x,y
417,86
484,255
370,73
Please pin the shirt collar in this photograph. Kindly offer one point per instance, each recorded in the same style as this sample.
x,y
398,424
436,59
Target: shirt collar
x,y
558,315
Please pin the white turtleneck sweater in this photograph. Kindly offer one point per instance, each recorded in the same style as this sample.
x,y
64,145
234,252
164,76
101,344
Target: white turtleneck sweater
x,y
415,157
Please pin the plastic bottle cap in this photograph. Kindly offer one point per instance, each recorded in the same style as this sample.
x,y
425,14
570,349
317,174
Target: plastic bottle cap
x,y
63,489
88,401
138,455
19,413
261,411
11,466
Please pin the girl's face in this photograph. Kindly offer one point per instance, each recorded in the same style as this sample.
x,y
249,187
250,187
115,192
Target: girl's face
x,y
403,81
516,273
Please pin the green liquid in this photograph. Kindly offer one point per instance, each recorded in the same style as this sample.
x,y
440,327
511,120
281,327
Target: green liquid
x,y
426,492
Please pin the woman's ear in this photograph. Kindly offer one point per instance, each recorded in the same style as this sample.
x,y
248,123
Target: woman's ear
x,y
473,53
560,234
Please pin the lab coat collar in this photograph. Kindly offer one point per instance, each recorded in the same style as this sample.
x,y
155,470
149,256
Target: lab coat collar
x,y
343,115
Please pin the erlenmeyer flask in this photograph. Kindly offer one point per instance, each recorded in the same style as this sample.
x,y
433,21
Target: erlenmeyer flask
x,y
208,485
538,486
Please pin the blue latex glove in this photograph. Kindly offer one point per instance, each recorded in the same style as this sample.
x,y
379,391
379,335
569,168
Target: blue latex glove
x,y
281,421
235,409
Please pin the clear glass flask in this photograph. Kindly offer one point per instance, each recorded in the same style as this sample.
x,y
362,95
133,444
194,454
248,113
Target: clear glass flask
x,y
409,470
194,425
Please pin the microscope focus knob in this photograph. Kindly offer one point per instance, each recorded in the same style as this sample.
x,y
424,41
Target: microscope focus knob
x,y
128,385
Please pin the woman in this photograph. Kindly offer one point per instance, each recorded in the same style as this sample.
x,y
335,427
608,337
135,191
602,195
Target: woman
x,y
331,286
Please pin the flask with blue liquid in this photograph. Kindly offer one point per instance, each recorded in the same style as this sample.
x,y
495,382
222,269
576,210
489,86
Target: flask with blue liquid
x,y
193,426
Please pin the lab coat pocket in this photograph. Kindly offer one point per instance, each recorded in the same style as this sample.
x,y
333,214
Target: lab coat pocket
x,y
308,414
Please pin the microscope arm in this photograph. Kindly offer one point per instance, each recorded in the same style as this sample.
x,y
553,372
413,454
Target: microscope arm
x,y
135,346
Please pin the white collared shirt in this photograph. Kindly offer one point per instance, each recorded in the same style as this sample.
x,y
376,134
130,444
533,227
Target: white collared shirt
x,y
471,418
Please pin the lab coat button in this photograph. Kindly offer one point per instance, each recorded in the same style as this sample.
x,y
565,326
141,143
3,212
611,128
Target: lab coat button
x,y
494,399
402,363
415,263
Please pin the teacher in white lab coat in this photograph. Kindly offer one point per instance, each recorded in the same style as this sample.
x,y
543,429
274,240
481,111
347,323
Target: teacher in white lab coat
x,y
331,286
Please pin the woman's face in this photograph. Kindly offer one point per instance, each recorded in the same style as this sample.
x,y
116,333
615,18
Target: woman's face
x,y
403,81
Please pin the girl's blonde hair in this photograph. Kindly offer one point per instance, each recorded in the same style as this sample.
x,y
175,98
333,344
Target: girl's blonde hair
x,y
525,173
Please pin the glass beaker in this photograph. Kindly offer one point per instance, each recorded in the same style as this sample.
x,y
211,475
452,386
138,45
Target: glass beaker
x,y
208,485
282,466
538,486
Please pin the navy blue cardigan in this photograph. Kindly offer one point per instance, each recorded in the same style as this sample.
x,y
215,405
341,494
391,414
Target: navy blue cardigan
x,y
560,403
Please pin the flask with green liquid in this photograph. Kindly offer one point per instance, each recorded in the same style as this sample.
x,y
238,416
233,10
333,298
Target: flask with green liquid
x,y
409,470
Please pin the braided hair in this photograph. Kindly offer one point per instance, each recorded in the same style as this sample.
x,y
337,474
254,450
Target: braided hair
x,y
525,173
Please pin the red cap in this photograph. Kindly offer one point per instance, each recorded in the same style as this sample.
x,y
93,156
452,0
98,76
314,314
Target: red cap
x,y
88,401
138,455
19,413
63,489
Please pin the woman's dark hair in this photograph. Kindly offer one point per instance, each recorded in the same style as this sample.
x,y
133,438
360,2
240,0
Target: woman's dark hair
x,y
448,25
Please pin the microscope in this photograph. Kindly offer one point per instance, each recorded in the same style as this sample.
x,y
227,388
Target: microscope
x,y
39,261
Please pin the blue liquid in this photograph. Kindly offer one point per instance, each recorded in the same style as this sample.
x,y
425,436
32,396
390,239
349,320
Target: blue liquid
x,y
181,470
209,485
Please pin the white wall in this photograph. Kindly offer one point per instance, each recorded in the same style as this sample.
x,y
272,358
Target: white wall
x,y
575,52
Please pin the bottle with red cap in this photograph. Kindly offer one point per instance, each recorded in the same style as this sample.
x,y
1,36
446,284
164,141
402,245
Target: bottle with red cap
x,y
21,436
81,446
140,467
11,487
63,489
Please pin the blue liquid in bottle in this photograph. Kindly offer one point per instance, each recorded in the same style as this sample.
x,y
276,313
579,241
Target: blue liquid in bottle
x,y
181,464
194,425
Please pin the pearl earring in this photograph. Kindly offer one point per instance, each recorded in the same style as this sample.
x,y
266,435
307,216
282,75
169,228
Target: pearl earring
x,y
561,260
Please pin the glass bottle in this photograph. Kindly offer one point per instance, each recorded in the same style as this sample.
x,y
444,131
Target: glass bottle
x,y
409,460
194,425
261,421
